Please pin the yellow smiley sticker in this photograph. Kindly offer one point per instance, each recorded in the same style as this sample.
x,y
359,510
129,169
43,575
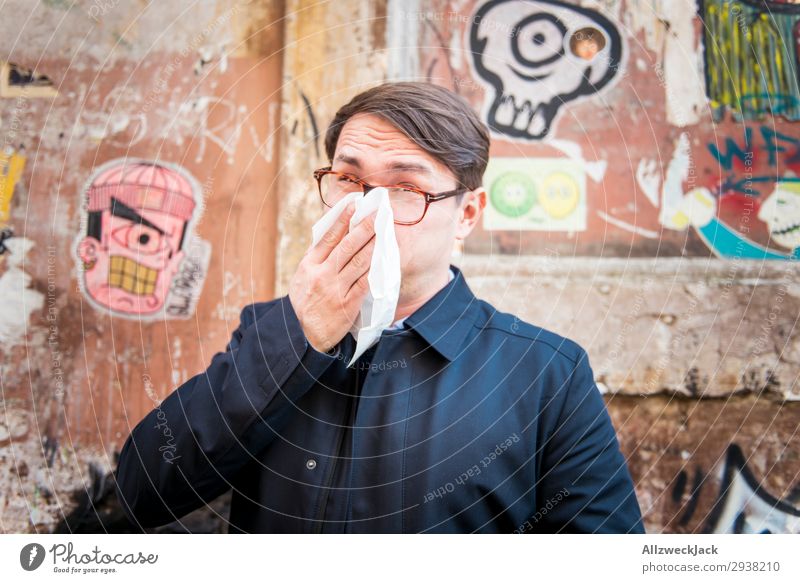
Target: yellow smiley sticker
x,y
559,195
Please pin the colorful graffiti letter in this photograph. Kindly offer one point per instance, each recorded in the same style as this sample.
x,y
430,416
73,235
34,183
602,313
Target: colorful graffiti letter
x,y
751,62
11,166
137,253
550,53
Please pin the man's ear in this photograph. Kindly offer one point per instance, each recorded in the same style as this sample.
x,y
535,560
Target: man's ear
x,y
471,210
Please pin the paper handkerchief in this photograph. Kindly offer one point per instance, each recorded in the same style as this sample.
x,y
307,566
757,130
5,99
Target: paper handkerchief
x,y
380,303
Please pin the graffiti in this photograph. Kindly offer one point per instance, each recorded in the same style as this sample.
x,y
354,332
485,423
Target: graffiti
x,y
307,124
741,506
266,148
312,120
756,180
207,54
16,81
667,195
11,166
119,121
625,226
648,177
779,148
5,235
190,279
207,119
137,253
556,53
750,58
535,194
780,212
445,58
694,495
745,507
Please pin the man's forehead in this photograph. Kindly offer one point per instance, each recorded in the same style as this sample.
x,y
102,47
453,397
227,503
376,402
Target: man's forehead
x,y
368,140
391,162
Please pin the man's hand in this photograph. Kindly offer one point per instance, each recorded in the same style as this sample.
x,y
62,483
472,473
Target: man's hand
x,y
330,283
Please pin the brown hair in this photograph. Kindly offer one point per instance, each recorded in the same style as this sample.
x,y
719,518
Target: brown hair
x,y
437,120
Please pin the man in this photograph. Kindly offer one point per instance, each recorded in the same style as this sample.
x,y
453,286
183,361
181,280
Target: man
x,y
459,419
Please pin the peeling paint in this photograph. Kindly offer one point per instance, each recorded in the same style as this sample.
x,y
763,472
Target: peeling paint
x,y
648,177
19,299
682,67
677,172
595,169
667,27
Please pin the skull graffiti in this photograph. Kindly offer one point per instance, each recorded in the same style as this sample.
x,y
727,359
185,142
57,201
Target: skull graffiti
x,y
555,53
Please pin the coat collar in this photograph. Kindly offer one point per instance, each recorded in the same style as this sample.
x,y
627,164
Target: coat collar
x,y
445,319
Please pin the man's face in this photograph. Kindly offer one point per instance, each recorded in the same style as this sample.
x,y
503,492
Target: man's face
x,y
380,154
131,269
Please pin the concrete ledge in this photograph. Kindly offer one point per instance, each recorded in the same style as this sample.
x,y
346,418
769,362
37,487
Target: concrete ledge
x,y
698,327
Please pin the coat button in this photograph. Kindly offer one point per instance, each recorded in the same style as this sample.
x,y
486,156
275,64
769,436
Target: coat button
x,y
311,464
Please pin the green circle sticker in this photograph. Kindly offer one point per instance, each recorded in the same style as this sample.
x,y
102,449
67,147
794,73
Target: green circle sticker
x,y
513,194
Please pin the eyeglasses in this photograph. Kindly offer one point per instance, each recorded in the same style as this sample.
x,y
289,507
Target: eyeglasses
x,y
409,203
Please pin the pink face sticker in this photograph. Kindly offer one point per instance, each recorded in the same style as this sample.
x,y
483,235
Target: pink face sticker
x,y
137,240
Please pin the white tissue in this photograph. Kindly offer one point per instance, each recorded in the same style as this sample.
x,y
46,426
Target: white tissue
x,y
380,303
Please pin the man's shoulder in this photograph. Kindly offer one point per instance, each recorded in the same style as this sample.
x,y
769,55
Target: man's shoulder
x,y
518,330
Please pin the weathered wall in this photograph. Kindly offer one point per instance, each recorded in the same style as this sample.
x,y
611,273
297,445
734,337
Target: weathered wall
x,y
192,90
635,206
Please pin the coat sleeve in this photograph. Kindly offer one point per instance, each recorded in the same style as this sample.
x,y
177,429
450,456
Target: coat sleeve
x,y
184,453
585,485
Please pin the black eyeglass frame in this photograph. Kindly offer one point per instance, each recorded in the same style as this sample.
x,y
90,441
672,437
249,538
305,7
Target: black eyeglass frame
x,y
429,196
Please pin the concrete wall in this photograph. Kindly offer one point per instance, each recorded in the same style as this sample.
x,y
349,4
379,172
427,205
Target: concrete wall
x,y
610,171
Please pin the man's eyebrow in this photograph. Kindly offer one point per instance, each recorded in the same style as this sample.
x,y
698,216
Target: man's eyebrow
x,y
396,166
120,209
348,160
410,167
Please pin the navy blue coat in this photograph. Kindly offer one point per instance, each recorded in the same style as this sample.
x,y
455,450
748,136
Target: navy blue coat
x,y
468,420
